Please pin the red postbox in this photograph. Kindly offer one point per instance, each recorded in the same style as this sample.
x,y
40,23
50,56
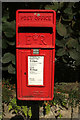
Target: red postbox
x,y
35,54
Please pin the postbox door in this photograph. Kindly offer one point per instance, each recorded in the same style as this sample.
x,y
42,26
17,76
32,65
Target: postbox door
x,y
35,74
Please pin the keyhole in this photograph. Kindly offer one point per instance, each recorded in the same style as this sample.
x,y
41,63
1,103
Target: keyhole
x,y
24,73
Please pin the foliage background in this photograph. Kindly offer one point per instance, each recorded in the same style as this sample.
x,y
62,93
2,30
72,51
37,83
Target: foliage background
x,y
67,58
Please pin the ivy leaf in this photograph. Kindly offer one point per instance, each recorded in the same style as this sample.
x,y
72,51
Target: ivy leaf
x,y
61,29
61,52
74,54
9,29
11,69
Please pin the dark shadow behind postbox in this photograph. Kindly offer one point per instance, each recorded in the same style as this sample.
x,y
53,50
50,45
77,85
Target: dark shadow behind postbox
x,y
35,54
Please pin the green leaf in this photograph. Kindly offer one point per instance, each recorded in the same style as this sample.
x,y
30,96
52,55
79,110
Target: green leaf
x,y
68,10
59,111
18,107
25,109
5,16
52,7
9,29
61,29
9,107
64,60
13,101
70,31
54,103
8,57
77,62
47,108
11,69
72,43
13,59
61,52
61,4
74,54
60,115
66,19
15,111
4,43
61,43
29,112
11,42
69,17
0,117
78,48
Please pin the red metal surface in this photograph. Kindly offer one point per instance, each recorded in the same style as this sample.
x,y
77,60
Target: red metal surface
x,y
35,29
43,21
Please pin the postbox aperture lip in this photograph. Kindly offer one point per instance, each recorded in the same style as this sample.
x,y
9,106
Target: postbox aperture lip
x,y
35,30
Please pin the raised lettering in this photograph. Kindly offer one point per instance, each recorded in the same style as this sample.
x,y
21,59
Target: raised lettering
x,y
28,40
42,38
31,39
36,18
